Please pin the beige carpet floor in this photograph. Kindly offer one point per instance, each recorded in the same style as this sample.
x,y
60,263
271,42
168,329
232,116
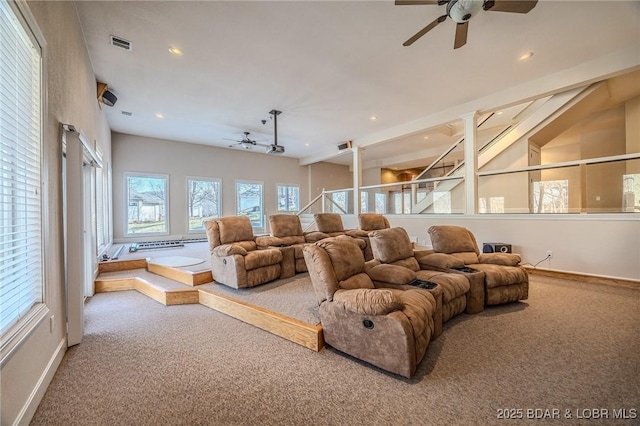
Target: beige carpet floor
x,y
571,347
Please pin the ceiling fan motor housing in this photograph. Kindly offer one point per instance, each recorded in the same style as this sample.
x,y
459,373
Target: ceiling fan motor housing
x,y
460,11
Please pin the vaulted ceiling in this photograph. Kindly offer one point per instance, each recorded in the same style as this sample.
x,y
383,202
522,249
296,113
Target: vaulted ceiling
x,y
330,66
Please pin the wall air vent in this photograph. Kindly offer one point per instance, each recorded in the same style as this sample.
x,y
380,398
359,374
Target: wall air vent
x,y
120,42
127,113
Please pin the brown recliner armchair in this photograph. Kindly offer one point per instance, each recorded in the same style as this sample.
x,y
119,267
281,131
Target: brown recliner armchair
x,y
235,258
286,231
456,247
393,246
386,327
331,225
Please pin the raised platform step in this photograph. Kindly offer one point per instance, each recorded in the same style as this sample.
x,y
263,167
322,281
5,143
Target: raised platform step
x,y
192,278
307,335
167,295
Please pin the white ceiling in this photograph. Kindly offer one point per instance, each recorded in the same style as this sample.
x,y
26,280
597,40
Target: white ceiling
x,y
328,65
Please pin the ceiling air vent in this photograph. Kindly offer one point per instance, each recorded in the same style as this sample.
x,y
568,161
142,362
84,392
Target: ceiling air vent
x,y
127,113
120,42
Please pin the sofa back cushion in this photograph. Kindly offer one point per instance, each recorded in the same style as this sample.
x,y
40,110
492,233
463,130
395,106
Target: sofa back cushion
x,y
328,222
285,225
390,245
213,234
372,221
345,256
234,229
452,239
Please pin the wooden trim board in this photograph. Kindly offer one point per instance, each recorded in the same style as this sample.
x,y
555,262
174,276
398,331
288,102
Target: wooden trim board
x,y
180,275
121,265
307,335
167,297
591,279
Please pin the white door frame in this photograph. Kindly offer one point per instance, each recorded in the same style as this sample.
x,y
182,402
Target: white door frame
x,y
79,238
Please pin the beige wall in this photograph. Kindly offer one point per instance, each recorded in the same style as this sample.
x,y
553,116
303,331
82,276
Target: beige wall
x,y
179,160
71,95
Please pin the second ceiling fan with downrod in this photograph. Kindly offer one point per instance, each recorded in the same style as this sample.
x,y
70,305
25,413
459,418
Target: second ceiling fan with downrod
x,y
461,11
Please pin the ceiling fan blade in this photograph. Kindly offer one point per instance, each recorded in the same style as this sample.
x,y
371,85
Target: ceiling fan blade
x,y
512,6
227,139
414,2
461,35
424,30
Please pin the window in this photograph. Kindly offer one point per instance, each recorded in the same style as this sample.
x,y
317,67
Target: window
x,y
204,201
491,205
441,202
21,207
551,196
288,198
249,202
631,193
147,197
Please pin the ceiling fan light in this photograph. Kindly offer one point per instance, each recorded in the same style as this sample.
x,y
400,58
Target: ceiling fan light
x,y
460,11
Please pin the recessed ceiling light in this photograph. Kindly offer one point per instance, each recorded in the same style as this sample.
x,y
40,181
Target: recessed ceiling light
x,y
525,56
426,137
499,113
373,118
306,144
175,51
159,115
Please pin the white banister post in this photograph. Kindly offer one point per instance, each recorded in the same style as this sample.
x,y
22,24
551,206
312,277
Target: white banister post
x,y
357,178
471,162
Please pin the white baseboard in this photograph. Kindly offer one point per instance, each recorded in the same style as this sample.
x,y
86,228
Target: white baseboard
x,y
32,403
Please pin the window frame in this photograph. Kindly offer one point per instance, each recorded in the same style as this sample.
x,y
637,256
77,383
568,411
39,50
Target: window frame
x,y
127,175
19,332
188,197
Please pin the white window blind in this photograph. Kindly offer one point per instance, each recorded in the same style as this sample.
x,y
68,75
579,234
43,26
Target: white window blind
x,y
21,264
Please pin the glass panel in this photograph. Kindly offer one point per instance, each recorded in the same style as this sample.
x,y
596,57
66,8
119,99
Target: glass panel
x,y
613,187
146,204
204,201
249,202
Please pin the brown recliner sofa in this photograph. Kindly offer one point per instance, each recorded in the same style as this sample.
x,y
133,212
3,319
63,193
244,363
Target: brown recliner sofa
x,y
236,260
389,328
456,247
393,246
331,225
286,231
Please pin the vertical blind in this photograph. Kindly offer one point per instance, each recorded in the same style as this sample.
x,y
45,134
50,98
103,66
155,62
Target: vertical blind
x,y
21,264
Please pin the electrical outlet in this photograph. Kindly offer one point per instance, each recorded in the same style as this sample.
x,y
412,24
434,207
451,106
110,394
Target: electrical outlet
x,y
549,254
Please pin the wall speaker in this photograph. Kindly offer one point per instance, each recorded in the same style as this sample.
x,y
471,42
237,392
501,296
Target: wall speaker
x,y
106,96
496,248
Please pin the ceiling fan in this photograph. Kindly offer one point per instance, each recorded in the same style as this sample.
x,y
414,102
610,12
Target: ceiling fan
x,y
246,142
461,11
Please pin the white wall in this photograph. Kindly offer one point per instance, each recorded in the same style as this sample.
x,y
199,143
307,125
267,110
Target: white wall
x,y
71,99
596,245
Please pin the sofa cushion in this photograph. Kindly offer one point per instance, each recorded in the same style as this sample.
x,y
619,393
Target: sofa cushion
x,y
228,250
440,260
499,275
347,258
452,285
409,263
285,225
369,301
391,244
360,280
235,228
467,257
328,222
506,259
391,274
259,258
372,221
293,239
452,239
